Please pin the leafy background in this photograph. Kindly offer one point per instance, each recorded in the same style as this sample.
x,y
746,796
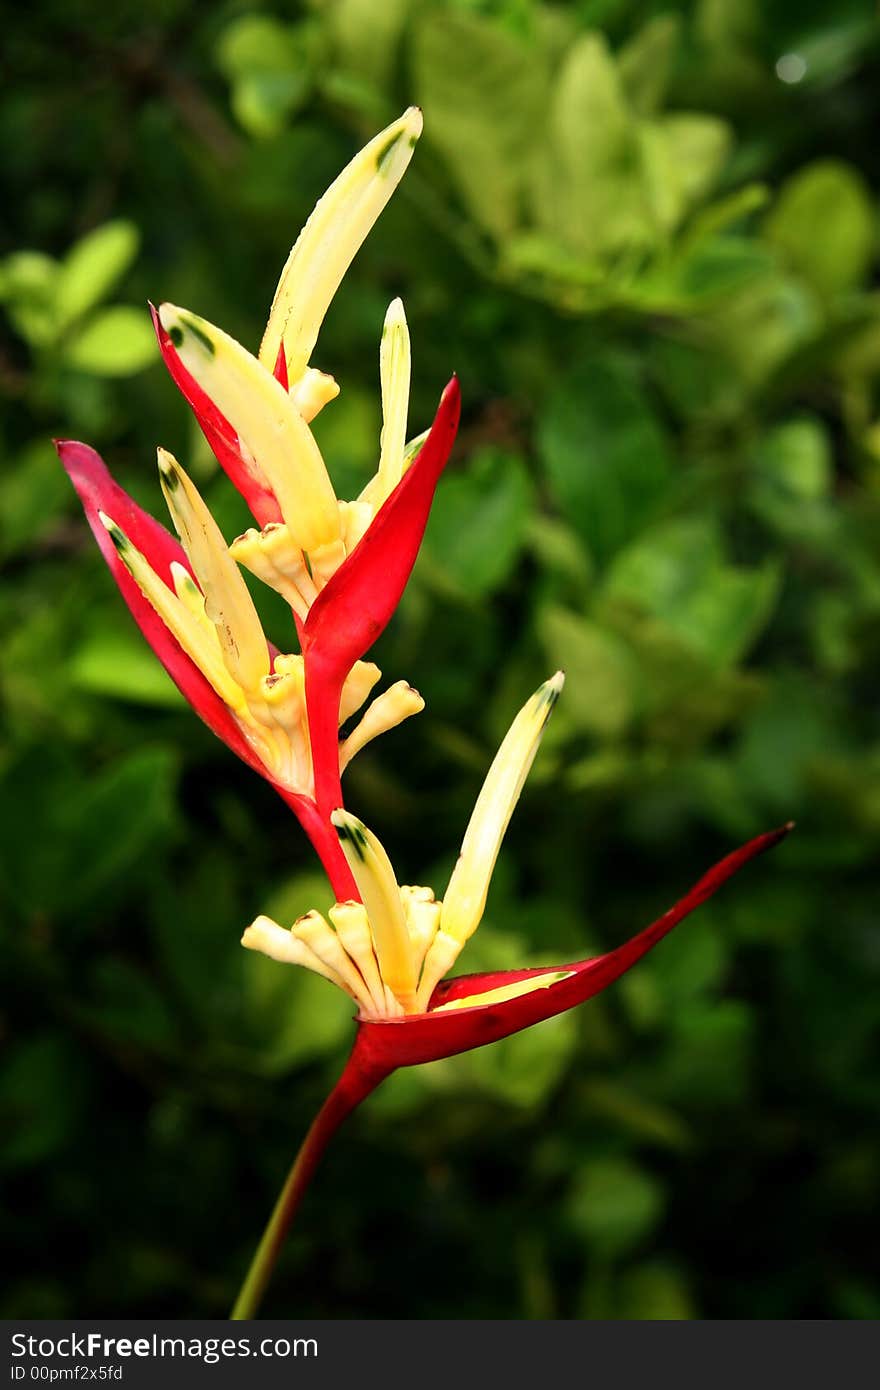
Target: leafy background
x,y
645,235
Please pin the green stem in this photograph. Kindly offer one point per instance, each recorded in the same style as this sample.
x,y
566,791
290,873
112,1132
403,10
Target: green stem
x,y
353,1086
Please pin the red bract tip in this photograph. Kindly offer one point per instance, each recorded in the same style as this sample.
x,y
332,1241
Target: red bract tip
x,y
384,1045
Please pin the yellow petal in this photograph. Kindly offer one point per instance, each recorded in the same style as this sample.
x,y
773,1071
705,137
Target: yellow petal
x,y
465,898
273,556
195,637
312,392
505,992
358,684
353,929
422,920
279,944
442,953
394,373
378,888
320,937
228,603
331,238
267,422
388,710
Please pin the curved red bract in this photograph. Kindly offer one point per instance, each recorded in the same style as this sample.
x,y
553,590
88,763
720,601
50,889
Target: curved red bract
x,y
381,1046
220,435
354,607
99,493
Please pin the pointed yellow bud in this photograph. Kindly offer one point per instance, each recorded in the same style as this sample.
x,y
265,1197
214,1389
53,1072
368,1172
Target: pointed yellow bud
x,y
197,638
312,392
330,240
465,898
388,710
269,426
394,374
228,603
378,888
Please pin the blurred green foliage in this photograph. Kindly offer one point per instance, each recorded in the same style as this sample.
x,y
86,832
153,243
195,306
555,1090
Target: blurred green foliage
x,y
645,235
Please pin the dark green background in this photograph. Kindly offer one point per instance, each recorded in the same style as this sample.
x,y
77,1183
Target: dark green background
x,y
652,262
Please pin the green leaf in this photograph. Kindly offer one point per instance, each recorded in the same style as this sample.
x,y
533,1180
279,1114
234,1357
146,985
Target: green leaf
x,y
678,573
481,114
614,1205
478,523
93,266
366,36
119,664
42,1088
645,63
114,342
108,827
605,453
27,287
588,187
823,221
794,459
600,696
33,492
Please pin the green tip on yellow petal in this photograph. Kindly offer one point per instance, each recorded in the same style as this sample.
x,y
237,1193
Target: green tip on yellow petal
x,y
278,444
330,240
378,888
228,603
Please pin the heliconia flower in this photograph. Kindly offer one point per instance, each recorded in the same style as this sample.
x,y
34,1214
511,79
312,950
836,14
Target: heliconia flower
x,y
342,566
391,950
192,604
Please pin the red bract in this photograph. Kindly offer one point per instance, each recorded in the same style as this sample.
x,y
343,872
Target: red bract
x,y
220,435
354,608
99,493
383,1045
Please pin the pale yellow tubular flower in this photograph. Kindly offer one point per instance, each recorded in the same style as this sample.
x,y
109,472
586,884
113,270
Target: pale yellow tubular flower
x,y
505,992
313,391
394,375
328,243
358,684
422,920
320,937
465,899
353,929
273,556
281,708
228,603
388,710
198,640
355,518
267,422
378,888
279,944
